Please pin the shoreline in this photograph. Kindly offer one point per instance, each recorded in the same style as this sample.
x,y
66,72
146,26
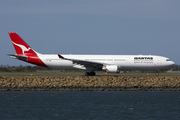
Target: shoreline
x,y
83,83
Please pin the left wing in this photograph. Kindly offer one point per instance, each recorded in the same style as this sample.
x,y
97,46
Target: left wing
x,y
87,64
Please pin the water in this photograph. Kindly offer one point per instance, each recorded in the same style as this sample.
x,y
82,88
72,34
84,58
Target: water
x,y
90,105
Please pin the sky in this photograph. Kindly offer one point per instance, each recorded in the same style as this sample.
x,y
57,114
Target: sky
x,y
113,27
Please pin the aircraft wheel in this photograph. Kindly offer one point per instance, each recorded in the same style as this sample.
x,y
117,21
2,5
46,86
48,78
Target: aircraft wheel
x,y
93,73
90,74
87,74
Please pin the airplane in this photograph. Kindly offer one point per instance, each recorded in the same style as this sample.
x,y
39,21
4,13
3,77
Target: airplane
x,y
90,63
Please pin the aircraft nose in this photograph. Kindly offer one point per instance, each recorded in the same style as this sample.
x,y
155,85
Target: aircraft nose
x,y
172,63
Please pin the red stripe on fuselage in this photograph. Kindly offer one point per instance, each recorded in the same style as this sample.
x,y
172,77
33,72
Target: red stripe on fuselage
x,y
36,61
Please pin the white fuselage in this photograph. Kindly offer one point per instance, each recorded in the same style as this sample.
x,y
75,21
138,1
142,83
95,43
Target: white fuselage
x,y
91,63
122,61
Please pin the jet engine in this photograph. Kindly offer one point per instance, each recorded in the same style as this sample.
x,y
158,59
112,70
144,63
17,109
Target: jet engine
x,y
112,68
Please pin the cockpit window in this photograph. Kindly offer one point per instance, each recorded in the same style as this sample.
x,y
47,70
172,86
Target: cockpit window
x,y
168,60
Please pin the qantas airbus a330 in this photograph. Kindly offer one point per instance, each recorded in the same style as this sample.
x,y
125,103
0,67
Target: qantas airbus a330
x,y
90,63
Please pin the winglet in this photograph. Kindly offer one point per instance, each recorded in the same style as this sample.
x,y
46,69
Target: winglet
x,y
60,56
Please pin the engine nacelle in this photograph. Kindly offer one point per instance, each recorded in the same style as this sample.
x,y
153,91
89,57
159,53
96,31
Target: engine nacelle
x,y
112,68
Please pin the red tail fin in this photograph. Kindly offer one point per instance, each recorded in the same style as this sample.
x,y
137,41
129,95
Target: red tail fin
x,y
24,52
21,47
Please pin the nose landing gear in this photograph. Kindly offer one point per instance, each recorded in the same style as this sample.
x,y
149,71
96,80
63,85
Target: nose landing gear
x,y
157,72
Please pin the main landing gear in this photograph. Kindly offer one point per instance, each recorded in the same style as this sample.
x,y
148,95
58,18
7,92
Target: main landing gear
x,y
92,73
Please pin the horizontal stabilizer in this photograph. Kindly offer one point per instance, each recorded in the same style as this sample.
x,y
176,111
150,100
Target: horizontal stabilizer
x,y
18,57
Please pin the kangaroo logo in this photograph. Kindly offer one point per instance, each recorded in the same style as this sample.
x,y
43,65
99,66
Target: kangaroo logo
x,y
22,47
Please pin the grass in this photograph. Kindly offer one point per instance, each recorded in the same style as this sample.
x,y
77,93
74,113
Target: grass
x,y
81,74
